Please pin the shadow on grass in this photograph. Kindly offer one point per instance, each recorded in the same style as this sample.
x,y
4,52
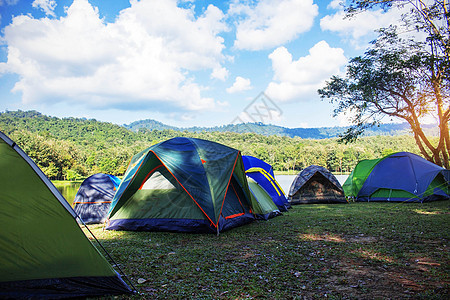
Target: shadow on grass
x,y
360,250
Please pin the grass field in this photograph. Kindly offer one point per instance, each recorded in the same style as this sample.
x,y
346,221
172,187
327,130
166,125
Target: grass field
x,y
340,251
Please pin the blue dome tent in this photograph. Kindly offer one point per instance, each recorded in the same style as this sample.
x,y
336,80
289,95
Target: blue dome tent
x,y
93,199
262,173
399,177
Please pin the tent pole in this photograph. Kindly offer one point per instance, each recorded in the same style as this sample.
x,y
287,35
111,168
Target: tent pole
x,y
107,253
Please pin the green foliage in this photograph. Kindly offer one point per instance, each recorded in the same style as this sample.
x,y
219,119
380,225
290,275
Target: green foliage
x,y
400,76
72,148
70,174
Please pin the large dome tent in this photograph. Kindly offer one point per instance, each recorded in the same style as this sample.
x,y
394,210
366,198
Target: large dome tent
x,y
183,185
399,177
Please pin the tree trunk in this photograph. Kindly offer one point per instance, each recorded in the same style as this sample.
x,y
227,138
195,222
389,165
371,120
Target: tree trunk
x,y
445,149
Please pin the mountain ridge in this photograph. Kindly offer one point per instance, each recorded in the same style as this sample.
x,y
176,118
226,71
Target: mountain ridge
x,y
388,129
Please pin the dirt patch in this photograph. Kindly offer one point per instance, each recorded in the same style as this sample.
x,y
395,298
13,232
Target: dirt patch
x,y
362,280
362,239
323,237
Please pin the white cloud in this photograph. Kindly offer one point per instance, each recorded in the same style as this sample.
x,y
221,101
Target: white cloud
x,y
141,60
298,80
271,22
240,84
335,4
47,6
359,29
220,73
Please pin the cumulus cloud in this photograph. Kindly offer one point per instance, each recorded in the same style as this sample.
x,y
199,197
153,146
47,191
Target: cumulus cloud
x,y
271,22
335,4
359,29
47,6
240,84
142,60
220,73
298,80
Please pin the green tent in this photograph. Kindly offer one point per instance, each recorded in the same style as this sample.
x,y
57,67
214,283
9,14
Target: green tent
x,y
44,253
262,203
183,185
358,176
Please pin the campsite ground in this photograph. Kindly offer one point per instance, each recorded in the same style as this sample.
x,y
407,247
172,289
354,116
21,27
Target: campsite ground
x,y
343,251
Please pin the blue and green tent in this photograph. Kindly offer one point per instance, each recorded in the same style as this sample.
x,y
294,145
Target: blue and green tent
x,y
183,185
44,252
399,177
262,173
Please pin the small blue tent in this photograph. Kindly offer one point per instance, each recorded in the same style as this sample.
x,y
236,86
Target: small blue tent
x,y
253,162
316,184
401,177
262,173
93,199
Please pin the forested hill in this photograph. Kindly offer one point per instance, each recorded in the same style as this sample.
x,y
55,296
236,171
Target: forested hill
x,y
267,129
258,128
79,128
73,148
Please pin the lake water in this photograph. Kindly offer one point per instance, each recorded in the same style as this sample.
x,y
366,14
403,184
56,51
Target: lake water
x,y
70,189
286,180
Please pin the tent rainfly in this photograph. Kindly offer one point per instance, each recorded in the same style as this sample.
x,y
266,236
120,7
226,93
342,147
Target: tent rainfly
x,y
262,204
44,252
399,177
262,173
183,185
316,184
93,199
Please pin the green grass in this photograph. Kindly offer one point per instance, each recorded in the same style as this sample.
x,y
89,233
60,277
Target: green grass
x,y
359,250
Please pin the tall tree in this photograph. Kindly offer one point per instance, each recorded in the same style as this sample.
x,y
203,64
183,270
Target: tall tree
x,y
401,75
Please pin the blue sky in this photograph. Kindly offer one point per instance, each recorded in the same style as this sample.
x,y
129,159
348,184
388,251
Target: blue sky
x,y
184,63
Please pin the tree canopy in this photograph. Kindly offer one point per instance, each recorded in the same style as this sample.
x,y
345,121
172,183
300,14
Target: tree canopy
x,y
403,75
72,148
